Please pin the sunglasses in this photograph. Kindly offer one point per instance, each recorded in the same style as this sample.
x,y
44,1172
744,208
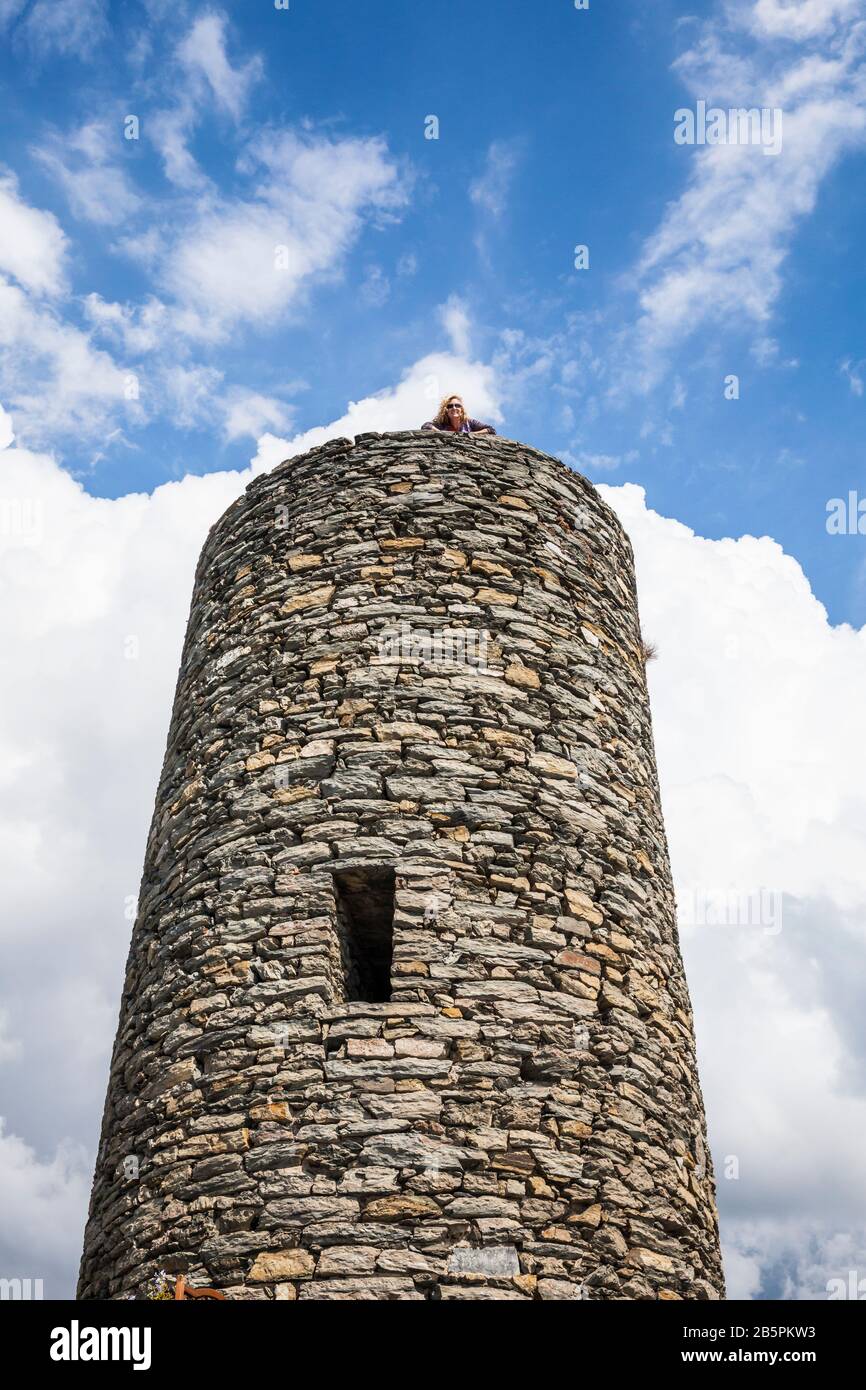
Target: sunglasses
x,y
454,405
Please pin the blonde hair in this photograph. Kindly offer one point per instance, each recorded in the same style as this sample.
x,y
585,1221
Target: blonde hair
x,y
440,419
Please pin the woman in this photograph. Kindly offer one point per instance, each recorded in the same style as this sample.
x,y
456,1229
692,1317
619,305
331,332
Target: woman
x,y
451,418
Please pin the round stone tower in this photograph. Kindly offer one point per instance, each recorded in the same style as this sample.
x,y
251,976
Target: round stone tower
x,y
404,1013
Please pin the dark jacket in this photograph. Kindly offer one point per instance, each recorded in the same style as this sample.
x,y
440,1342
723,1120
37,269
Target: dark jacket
x,y
466,428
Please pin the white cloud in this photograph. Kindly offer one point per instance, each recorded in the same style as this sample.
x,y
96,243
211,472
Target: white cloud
x,y
98,189
33,245
454,317
67,27
216,264
598,463
139,328
171,132
189,394
7,434
763,773
204,77
375,287
42,1204
851,371
490,190
800,19
203,54
718,254
83,726
247,261
403,407
219,263
248,413
786,1259
53,376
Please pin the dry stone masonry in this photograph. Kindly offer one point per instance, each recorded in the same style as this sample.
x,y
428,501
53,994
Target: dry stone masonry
x,y
404,1013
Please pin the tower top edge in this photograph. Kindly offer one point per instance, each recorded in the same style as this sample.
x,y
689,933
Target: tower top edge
x,y
459,447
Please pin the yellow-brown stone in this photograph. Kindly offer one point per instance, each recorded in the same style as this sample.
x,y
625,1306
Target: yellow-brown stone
x,y
402,543
403,1208
522,675
313,598
580,905
496,596
282,1264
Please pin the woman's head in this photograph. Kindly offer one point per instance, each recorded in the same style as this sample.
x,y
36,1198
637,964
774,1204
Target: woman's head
x,y
451,412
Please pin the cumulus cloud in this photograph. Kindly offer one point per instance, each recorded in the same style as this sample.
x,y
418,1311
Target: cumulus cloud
x,y
94,595
762,778
40,1236
402,407
33,245
171,131
84,719
7,434
248,413
454,317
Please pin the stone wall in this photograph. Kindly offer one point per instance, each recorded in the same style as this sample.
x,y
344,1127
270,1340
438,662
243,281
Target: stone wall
x,y
412,727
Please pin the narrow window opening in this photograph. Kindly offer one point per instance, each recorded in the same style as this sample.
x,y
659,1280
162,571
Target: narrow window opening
x,y
365,921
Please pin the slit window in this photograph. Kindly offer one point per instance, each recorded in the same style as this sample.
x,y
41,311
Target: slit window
x,y
365,922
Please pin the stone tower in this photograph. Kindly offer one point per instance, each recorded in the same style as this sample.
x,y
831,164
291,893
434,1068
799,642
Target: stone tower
x,y
404,1013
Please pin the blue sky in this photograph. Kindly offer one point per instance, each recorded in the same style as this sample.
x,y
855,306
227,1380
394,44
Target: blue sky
x,y
556,128
155,354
